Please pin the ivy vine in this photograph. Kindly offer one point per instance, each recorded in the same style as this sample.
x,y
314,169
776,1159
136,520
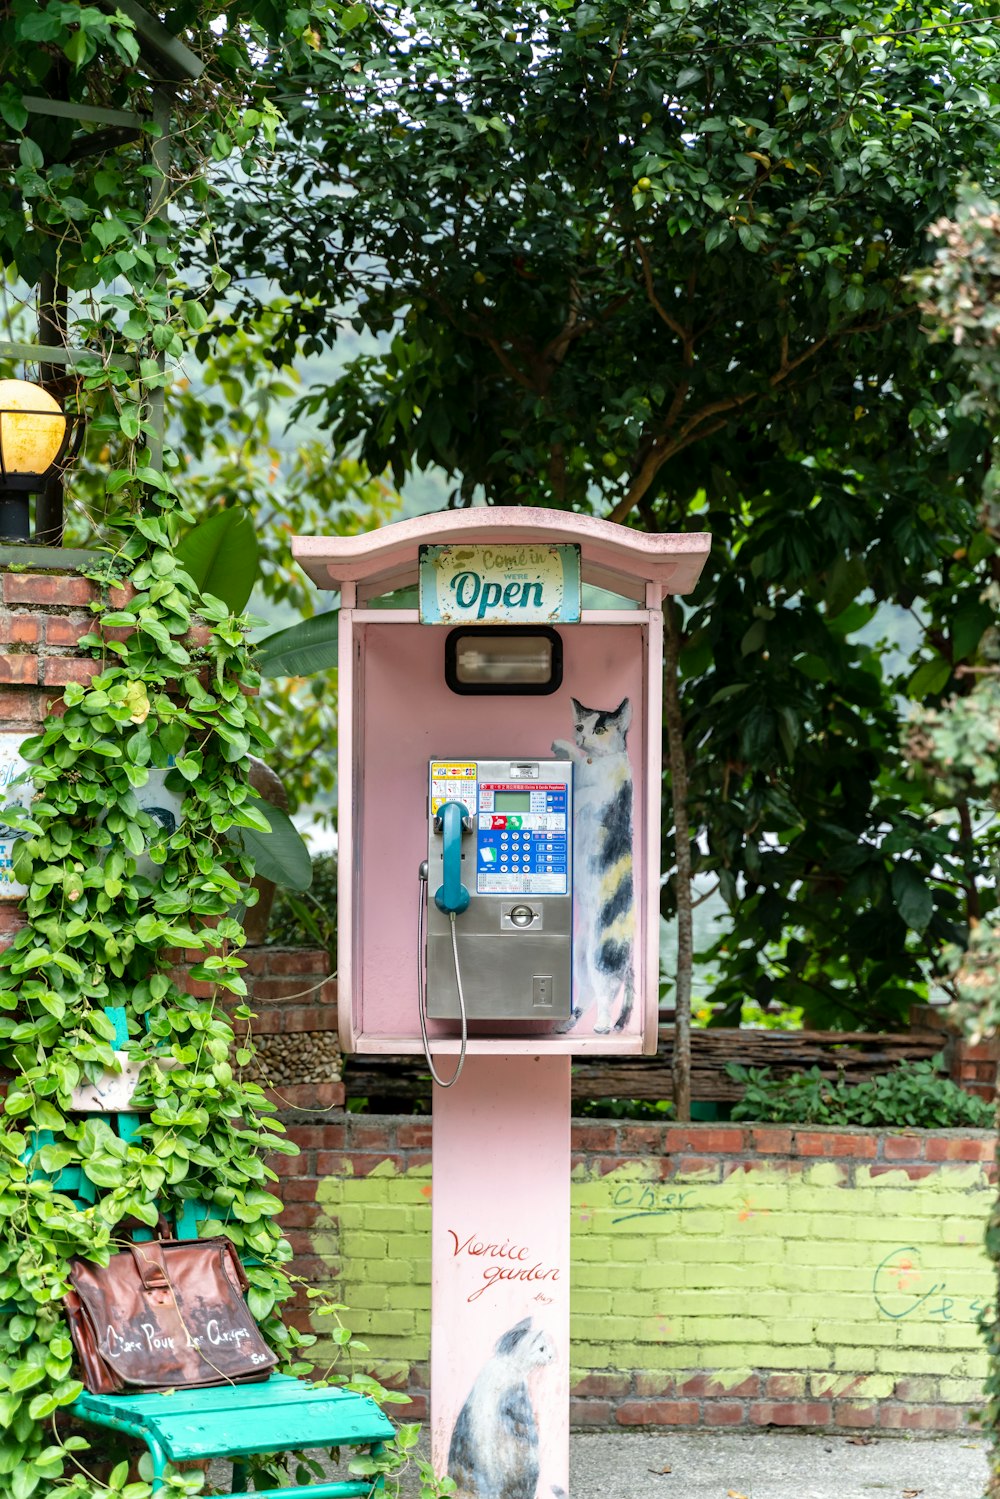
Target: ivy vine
x,y
121,912
101,936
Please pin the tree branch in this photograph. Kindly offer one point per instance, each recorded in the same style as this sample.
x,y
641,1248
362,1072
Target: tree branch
x,y
674,720
557,470
661,450
684,334
621,48
576,327
658,454
507,364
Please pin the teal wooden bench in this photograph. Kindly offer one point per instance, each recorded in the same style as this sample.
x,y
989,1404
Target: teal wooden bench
x,y
230,1422
237,1421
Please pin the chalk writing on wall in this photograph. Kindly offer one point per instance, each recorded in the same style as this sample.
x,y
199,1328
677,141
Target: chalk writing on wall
x,y
644,1200
901,1286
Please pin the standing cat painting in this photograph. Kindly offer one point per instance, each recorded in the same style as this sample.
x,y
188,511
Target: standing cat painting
x,y
494,1445
604,918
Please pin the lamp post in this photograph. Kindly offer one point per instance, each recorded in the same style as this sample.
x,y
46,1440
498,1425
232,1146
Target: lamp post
x,y
37,441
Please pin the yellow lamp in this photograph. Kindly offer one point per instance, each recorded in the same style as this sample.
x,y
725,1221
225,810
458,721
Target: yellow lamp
x,y
34,437
32,428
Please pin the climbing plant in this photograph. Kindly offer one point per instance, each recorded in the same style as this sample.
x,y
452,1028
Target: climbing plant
x,y
123,914
101,935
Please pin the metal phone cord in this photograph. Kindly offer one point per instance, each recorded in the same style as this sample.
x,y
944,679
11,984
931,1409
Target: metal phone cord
x,y
421,991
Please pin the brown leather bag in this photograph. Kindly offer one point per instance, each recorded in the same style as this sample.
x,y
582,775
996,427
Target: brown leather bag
x,y
162,1314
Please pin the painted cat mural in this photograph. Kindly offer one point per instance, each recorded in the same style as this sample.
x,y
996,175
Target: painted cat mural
x,y
604,920
494,1444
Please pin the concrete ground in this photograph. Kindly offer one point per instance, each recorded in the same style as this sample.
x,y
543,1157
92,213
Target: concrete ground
x,y
756,1465
779,1465
769,1465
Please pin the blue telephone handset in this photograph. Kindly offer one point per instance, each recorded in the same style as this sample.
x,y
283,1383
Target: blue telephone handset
x,y
452,820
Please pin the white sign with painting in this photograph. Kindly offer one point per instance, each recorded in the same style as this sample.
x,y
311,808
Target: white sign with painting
x,y
112,1092
16,790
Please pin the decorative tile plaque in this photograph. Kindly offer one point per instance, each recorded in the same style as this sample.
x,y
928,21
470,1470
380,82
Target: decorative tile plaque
x,y
16,790
510,583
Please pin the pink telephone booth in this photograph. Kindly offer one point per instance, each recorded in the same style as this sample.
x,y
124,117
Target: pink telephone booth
x,y
499,853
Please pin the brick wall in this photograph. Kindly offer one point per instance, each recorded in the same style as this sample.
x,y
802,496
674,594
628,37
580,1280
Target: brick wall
x,y
294,997
972,1066
722,1275
42,618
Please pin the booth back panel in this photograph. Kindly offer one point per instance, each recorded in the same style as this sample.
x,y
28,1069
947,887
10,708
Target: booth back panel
x,y
407,716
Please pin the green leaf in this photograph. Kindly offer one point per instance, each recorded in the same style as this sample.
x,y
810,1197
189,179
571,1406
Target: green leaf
x,y
52,1158
30,153
40,26
260,1302
967,627
221,556
43,1405
929,679
196,315
25,1481
754,638
12,111
913,897
26,1375
46,1116
21,1327
983,545
104,1171
302,649
79,49
845,580
280,855
137,1207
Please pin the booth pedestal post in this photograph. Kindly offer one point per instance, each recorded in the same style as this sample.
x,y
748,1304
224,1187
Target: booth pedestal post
x,y
500,1277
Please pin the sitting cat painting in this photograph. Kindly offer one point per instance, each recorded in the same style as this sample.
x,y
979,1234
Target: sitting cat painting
x,y
494,1445
604,917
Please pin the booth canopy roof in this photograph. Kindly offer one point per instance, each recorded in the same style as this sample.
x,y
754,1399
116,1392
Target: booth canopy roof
x,y
608,551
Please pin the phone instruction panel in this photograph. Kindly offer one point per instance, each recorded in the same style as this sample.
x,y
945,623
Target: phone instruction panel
x,y
522,830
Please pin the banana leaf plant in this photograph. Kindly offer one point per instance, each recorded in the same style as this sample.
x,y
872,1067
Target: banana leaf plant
x,y
221,555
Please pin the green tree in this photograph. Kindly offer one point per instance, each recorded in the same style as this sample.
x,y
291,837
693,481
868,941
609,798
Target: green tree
x,y
599,236
651,262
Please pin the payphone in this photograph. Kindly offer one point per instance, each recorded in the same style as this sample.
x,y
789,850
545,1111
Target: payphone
x,y
530,629
497,892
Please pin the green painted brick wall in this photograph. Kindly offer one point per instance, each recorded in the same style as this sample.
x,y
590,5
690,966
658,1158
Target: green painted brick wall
x,y
827,1274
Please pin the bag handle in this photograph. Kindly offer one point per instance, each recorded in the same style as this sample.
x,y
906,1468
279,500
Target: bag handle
x,y
232,1267
152,1272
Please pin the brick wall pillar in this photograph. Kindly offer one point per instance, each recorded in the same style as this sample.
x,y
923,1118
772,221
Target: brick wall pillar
x,y
973,1067
42,617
